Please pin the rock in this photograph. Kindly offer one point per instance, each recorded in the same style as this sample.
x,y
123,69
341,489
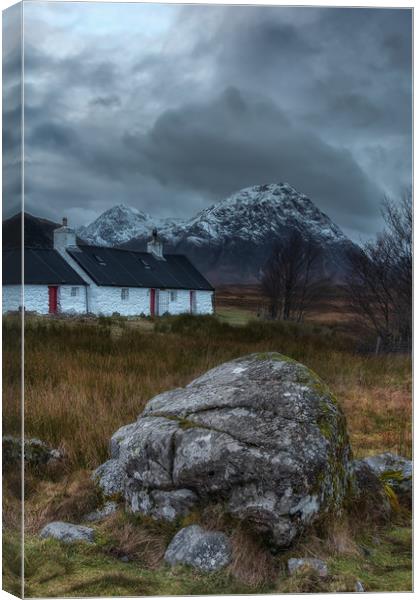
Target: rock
x,y
358,586
160,504
67,532
369,497
101,513
110,477
294,564
118,437
387,464
36,452
204,550
261,434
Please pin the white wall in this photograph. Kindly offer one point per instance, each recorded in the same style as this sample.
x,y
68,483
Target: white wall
x,y
12,297
68,303
204,302
107,300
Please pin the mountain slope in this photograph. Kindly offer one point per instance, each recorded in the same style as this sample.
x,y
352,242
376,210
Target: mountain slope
x,y
231,240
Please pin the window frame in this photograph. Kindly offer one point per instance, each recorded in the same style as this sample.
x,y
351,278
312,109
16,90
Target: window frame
x,y
75,291
173,295
124,294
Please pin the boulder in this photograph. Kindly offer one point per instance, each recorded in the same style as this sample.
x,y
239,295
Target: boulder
x,y
67,532
36,452
395,470
195,547
262,434
295,564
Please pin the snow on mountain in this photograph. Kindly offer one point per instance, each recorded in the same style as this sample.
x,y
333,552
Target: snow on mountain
x,y
118,225
255,214
232,239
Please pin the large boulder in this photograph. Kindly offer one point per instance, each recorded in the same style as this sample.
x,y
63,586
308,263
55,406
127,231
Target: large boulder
x,y
195,547
262,434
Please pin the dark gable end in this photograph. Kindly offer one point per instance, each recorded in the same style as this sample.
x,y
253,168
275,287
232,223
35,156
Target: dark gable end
x,y
126,268
42,267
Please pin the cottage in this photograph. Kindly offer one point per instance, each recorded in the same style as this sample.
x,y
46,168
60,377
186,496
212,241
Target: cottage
x,y
75,278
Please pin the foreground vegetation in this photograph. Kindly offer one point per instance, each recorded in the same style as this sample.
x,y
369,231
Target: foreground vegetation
x,y
84,378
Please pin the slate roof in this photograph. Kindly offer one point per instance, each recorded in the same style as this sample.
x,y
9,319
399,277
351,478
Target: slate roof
x,y
127,268
43,266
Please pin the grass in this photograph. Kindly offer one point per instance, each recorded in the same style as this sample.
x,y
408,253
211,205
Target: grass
x,y
84,378
83,382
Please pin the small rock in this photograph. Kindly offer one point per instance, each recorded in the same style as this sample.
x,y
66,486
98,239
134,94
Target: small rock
x,y
294,564
36,452
204,550
124,559
110,477
359,587
388,463
369,494
101,513
67,532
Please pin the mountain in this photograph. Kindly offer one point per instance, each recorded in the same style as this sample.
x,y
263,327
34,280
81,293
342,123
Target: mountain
x,y
231,240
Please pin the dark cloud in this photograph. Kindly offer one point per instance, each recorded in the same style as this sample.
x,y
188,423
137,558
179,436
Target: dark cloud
x,y
169,118
214,145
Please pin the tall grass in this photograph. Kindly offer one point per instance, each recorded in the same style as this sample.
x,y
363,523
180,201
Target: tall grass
x,y
84,379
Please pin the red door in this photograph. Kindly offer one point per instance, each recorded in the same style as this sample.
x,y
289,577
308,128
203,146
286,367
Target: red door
x,y
152,302
52,298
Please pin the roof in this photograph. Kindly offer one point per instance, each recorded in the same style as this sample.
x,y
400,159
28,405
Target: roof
x,y
127,268
43,266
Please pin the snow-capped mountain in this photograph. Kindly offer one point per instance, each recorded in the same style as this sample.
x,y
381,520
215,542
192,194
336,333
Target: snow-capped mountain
x,y
118,225
231,240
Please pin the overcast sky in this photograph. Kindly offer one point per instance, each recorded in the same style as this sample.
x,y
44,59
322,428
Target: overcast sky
x,y
172,108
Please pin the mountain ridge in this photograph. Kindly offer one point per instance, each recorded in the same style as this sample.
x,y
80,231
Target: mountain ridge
x,y
230,240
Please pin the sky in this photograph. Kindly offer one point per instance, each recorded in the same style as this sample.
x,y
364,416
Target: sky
x,y
171,108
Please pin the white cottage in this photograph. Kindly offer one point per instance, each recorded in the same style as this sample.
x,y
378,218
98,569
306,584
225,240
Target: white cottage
x,y
72,278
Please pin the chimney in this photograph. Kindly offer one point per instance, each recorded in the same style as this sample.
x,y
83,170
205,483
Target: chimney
x,y
155,246
64,236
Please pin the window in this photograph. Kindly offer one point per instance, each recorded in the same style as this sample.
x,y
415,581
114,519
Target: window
x,y
124,293
74,291
173,295
145,263
100,260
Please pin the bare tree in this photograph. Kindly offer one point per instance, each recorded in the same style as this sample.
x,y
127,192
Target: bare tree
x,y
380,282
288,278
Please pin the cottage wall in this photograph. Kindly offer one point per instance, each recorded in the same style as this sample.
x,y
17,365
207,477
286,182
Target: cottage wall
x,y
204,302
68,303
12,297
107,300
36,299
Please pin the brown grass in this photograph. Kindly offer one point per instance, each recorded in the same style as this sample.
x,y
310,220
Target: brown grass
x,y
83,382
66,500
144,542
